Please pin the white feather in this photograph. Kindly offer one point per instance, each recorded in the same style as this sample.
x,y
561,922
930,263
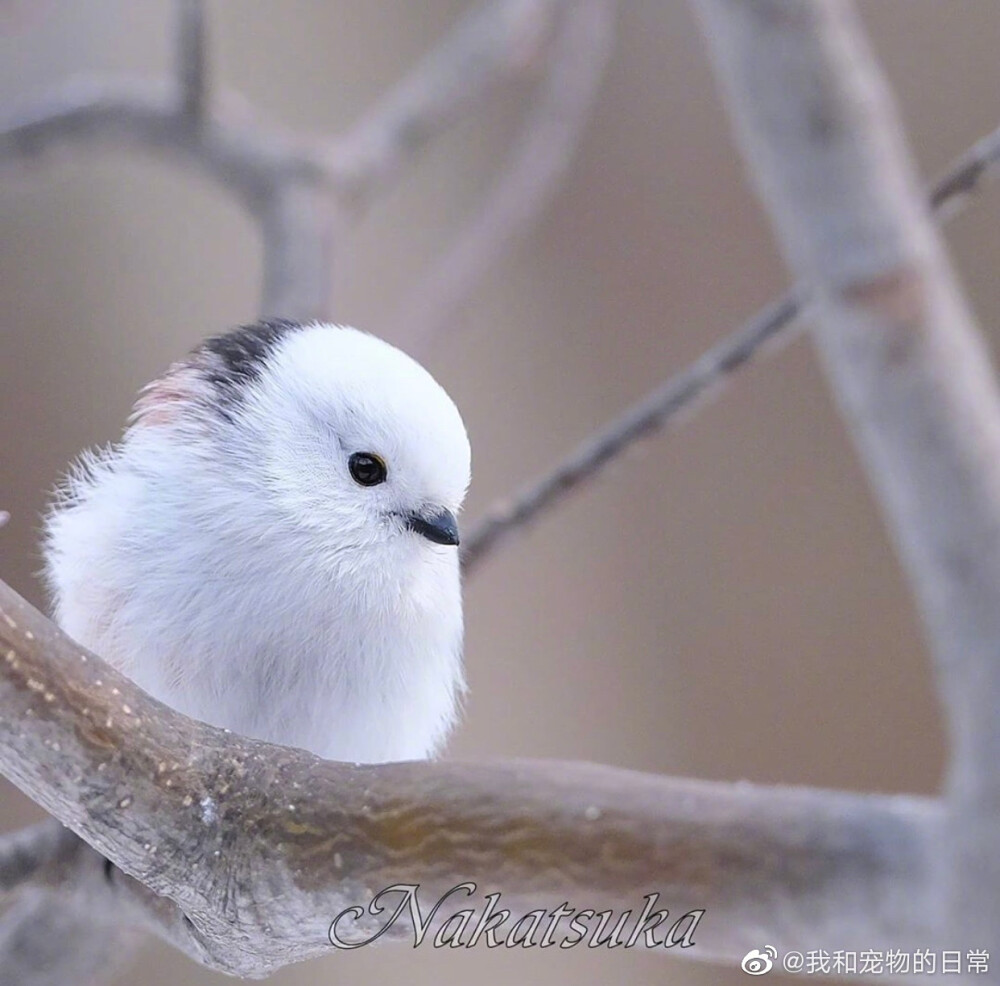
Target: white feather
x,y
236,572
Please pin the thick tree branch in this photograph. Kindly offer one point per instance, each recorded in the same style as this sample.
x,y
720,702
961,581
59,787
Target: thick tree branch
x,y
259,847
694,385
903,354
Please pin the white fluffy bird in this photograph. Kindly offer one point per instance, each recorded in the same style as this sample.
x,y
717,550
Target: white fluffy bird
x,y
271,547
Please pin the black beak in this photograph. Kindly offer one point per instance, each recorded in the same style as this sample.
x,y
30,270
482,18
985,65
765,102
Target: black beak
x,y
441,528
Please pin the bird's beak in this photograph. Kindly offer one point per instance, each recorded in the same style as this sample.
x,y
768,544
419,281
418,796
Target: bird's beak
x,y
441,527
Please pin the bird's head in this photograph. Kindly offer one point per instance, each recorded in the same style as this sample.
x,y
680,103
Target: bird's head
x,y
347,439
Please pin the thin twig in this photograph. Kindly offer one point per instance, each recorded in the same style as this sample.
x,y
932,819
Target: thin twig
x,y
541,155
499,41
192,69
495,42
701,380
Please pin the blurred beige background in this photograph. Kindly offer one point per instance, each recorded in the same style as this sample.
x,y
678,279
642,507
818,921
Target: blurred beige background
x,y
724,602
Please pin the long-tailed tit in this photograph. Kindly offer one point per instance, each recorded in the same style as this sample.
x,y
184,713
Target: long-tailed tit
x,y
272,546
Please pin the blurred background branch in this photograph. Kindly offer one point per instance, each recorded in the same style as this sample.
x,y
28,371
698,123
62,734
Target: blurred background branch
x,y
192,66
296,188
541,154
824,144
702,380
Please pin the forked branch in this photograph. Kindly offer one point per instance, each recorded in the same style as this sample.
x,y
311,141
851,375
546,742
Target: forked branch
x,y
905,359
296,188
687,391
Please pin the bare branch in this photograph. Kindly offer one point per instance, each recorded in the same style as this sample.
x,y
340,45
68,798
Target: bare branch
x,y
75,918
966,177
702,380
68,922
539,160
192,70
908,366
653,412
497,41
34,854
297,221
75,935
230,147
297,188
280,179
260,847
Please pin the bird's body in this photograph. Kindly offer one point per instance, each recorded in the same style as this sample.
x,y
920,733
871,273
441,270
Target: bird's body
x,y
226,557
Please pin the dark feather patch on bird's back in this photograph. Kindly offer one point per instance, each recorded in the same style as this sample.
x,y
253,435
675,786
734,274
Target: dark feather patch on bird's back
x,y
214,378
235,359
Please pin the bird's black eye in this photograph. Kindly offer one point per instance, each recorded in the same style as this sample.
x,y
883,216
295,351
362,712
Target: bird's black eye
x,y
367,468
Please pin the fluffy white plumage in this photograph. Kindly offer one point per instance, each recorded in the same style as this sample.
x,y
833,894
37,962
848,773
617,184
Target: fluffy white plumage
x,y
224,558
